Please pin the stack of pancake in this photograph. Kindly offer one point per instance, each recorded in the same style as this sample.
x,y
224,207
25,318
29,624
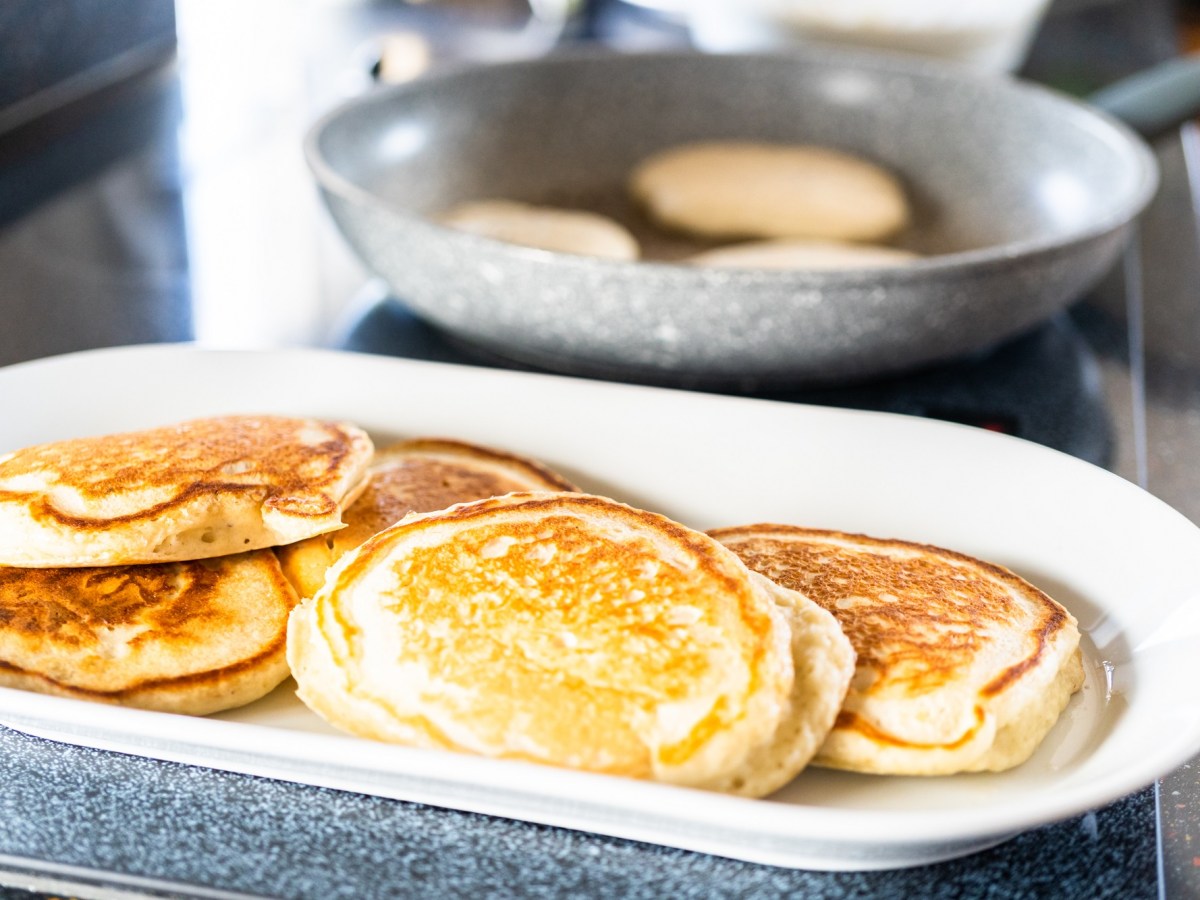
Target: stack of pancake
x,y
445,595
135,569
144,569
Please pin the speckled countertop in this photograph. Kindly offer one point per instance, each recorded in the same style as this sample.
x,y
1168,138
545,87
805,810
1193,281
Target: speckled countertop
x,y
175,830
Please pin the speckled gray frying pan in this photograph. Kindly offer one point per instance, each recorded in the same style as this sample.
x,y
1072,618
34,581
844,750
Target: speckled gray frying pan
x,y
1023,199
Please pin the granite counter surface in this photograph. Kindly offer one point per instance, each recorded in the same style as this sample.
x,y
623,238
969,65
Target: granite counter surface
x,y
163,829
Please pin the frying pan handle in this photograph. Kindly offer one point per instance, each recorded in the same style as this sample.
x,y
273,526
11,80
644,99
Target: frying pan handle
x,y
1156,100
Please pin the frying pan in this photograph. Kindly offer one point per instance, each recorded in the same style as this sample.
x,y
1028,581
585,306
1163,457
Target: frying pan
x,y
1023,199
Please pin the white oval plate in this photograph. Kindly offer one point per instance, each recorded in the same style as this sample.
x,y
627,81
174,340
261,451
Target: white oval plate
x,y
1123,562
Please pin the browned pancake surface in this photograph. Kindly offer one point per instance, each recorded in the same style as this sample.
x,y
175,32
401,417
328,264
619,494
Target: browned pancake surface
x,y
203,488
416,476
924,621
187,636
428,474
913,612
232,454
561,628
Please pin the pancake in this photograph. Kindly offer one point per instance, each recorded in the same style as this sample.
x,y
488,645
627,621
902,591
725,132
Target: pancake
x,y
963,666
420,475
807,255
545,228
184,637
747,189
823,664
200,489
570,630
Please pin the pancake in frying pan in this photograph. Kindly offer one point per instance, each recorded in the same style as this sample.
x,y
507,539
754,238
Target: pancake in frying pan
x,y
748,189
545,228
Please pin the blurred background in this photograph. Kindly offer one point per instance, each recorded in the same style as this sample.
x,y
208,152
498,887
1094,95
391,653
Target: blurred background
x,y
151,170
153,186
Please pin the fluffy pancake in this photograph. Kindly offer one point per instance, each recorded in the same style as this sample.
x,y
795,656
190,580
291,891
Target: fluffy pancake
x,y
746,189
962,665
546,228
420,475
823,663
571,630
203,488
186,637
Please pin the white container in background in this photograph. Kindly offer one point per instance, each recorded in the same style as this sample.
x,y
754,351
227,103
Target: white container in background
x,y
990,35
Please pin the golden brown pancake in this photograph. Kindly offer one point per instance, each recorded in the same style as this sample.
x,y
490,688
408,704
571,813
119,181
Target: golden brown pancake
x,y
186,637
962,665
570,630
419,475
200,489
